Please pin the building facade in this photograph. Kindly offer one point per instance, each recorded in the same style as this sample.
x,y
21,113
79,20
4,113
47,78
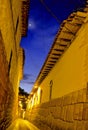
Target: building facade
x,y
12,28
59,98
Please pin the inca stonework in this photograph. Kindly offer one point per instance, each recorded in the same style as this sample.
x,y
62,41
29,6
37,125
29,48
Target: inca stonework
x,y
59,97
69,112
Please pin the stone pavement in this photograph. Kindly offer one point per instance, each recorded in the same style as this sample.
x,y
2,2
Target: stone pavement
x,y
21,124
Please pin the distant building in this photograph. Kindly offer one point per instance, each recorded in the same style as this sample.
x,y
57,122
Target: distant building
x,y
22,99
59,97
13,25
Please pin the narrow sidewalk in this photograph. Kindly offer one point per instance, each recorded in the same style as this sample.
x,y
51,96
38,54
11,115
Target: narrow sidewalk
x,y
21,124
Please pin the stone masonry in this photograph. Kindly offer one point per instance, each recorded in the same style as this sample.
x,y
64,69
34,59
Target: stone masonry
x,y
69,112
6,91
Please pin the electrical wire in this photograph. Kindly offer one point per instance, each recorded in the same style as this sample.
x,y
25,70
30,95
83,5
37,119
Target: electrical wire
x,y
50,11
54,16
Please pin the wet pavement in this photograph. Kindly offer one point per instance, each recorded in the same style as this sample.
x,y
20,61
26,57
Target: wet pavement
x,y
21,124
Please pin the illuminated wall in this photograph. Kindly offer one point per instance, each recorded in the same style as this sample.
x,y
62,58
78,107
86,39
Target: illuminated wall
x,y
10,33
63,90
70,72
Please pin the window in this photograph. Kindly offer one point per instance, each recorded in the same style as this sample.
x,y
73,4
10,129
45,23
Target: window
x,y
51,84
9,66
41,96
17,25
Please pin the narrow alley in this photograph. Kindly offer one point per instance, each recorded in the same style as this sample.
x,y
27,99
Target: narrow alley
x,y
58,99
20,124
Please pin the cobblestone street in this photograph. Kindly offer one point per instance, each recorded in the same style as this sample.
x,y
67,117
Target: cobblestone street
x,y
21,124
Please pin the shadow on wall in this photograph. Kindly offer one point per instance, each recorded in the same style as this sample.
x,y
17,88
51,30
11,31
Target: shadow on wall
x,y
6,90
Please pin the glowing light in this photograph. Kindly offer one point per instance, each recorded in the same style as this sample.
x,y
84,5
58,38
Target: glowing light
x,y
30,25
35,86
31,93
20,104
39,89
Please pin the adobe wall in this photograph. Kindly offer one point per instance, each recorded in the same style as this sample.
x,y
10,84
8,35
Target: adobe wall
x,y
69,112
70,73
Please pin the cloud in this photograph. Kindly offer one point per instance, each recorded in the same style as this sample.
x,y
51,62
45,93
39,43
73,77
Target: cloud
x,y
27,76
28,79
27,82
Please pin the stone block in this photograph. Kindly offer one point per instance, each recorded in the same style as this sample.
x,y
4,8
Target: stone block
x,y
87,93
85,111
62,125
58,102
70,126
78,111
44,112
52,103
80,125
56,112
74,97
81,95
86,125
67,99
69,113
63,113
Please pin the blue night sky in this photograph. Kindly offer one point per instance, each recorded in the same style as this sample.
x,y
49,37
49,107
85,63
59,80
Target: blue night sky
x,y
42,28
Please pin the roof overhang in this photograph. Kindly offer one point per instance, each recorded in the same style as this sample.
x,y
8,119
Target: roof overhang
x,y
64,38
25,12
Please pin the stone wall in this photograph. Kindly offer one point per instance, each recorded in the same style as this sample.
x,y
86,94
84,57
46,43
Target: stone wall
x,y
69,112
6,91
